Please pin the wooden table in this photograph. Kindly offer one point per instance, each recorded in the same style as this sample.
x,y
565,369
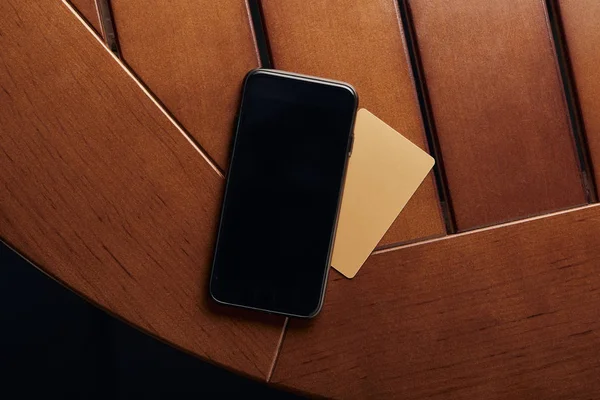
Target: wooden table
x,y
486,286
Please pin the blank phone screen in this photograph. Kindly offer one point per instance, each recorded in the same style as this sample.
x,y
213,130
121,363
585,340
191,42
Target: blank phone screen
x,y
283,192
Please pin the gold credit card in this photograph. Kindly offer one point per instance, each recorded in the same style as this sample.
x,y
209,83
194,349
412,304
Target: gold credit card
x,y
384,171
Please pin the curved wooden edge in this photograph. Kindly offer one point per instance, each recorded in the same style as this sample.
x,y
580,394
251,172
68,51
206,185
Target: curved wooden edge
x,y
103,192
100,306
504,312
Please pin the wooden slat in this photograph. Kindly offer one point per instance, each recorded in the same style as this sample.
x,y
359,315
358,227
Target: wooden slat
x,y
509,312
498,108
87,8
581,20
360,42
193,54
102,192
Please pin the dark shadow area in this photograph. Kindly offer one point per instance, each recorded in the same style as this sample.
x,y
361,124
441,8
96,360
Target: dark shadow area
x,y
55,344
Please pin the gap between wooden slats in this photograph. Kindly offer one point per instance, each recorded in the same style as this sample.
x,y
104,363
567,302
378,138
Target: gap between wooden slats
x,y
88,10
499,109
362,43
579,21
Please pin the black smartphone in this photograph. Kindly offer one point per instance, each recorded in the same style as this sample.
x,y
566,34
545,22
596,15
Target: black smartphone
x,y
283,192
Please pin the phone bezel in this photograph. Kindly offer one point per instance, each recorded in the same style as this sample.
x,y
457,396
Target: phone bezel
x,y
288,75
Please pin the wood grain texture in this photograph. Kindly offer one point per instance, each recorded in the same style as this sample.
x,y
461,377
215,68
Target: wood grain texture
x,y
504,313
581,19
102,192
498,107
359,42
193,55
87,8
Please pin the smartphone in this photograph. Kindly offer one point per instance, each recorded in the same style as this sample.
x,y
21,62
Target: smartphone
x,y
283,192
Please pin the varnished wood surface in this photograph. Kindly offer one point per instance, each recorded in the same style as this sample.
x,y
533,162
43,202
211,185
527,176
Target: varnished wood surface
x,y
581,23
505,313
101,191
193,55
88,10
498,107
359,42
